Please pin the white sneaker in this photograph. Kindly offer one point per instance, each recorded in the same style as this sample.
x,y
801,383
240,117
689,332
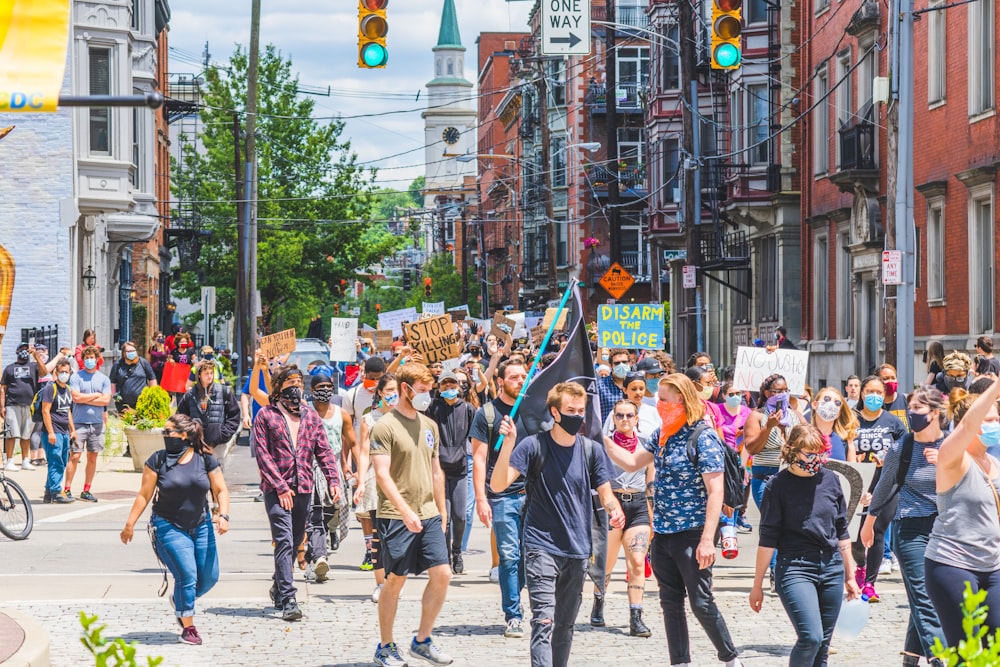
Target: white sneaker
x,y
495,575
11,466
26,465
885,567
377,593
321,569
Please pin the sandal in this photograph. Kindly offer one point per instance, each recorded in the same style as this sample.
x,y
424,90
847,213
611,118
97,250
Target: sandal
x,y
301,556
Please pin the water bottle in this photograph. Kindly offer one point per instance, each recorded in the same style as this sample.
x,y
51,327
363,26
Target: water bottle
x,y
730,546
853,618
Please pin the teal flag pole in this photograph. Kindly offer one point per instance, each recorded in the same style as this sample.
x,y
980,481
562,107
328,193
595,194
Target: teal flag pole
x,y
534,365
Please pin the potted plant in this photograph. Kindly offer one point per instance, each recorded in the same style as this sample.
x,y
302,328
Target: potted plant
x,y
144,425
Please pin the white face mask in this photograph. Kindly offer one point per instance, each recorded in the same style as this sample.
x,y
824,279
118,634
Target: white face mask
x,y
63,377
827,411
421,401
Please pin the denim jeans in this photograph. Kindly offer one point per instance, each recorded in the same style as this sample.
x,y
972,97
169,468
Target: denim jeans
x,y
555,590
811,589
946,586
455,490
470,506
909,539
56,455
287,530
316,529
675,567
191,558
507,522
871,559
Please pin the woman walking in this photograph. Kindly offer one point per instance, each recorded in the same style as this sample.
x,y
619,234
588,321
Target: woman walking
x,y
804,517
837,422
180,476
157,355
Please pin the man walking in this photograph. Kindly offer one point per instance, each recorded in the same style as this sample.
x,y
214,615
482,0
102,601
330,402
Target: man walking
x,y
91,390
129,376
17,390
611,389
57,415
561,468
412,517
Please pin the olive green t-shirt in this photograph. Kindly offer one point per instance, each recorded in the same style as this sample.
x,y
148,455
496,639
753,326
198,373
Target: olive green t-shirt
x,y
410,444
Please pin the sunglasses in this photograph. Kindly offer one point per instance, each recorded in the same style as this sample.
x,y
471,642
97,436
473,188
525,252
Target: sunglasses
x,y
836,401
733,394
624,415
171,434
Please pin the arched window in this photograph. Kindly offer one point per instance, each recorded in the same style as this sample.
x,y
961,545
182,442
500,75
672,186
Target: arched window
x,y
437,67
451,67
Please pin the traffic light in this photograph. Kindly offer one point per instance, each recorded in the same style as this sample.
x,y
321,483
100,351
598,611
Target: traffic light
x,y
372,29
727,31
427,287
407,280
378,308
336,309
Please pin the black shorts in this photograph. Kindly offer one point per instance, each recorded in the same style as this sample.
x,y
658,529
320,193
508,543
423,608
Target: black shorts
x,y
405,552
635,508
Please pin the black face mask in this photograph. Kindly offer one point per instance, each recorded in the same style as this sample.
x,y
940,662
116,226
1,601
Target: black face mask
x,y
570,423
175,446
23,356
291,398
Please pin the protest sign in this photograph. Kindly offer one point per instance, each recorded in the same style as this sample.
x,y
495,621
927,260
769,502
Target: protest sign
x,y
277,344
393,320
343,338
520,329
434,338
550,314
538,334
433,308
459,312
383,340
753,364
632,325
503,328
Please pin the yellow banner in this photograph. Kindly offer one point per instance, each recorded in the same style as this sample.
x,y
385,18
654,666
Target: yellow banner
x,y
34,35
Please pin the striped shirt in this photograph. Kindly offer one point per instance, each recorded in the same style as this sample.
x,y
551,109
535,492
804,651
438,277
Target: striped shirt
x,y
918,496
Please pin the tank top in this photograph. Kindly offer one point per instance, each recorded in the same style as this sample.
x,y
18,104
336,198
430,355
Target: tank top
x,y
334,431
966,533
770,456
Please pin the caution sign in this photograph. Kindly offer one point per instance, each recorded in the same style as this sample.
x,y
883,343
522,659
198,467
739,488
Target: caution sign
x,y
617,281
433,337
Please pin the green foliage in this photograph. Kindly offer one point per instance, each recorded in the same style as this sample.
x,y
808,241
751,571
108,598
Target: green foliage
x,y
114,653
151,410
315,200
980,648
389,203
415,189
139,333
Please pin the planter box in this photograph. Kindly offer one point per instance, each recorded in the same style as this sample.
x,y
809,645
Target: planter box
x,y
142,444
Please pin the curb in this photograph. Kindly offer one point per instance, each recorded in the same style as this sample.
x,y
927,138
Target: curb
x,y
34,646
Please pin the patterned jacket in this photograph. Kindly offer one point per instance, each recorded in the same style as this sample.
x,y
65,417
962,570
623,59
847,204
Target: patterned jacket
x,y
281,468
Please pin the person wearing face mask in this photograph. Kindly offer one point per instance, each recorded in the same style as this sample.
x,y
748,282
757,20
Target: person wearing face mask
x,y
129,376
895,401
290,437
612,388
878,429
562,468
89,340
453,417
45,368
964,546
412,514
57,419
358,402
18,386
157,354
701,379
914,491
837,422
804,518
687,503
176,480
91,390
957,373
207,354
635,392
212,404
652,371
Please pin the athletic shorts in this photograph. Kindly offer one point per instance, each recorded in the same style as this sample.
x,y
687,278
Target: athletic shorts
x,y
18,423
635,508
89,437
405,552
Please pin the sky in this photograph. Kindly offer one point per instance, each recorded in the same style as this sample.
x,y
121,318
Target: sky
x,y
320,36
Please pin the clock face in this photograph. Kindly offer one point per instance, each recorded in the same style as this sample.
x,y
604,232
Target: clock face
x,y
450,135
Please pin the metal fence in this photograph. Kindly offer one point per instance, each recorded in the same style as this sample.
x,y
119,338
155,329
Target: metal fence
x,y
47,336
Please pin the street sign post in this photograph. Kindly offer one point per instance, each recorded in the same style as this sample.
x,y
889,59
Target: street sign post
x,y
617,280
892,267
566,27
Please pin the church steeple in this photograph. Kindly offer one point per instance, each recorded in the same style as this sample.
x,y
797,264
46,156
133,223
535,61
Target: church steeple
x,y
448,35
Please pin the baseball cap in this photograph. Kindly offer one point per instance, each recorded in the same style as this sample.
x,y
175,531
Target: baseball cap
x,y
649,366
448,376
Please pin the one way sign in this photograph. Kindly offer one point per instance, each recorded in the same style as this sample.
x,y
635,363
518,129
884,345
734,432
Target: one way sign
x,y
565,27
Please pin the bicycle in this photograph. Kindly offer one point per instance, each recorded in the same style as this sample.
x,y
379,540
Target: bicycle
x,y
16,516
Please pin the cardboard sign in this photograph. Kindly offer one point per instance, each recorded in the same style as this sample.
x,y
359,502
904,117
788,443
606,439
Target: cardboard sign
x,y
459,313
550,314
503,328
434,337
753,364
343,338
393,320
631,326
383,340
433,308
277,344
538,334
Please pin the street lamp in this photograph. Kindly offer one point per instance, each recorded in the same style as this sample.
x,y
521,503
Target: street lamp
x,y
89,278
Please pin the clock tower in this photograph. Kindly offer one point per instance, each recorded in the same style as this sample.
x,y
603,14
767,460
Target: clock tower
x,y
450,118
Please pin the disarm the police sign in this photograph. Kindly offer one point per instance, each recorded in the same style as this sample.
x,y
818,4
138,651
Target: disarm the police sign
x,y
566,27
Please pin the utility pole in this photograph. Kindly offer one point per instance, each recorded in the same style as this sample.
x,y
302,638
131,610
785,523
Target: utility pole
x,y
611,132
692,215
250,179
550,223
465,257
242,346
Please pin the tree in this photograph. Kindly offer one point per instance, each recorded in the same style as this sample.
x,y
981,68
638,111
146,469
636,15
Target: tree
x,y
416,191
315,201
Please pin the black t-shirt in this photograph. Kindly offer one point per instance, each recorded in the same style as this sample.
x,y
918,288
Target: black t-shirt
x,y
131,379
21,381
800,515
877,435
62,405
479,432
182,489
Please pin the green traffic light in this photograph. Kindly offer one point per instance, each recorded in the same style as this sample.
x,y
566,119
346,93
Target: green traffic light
x,y
727,55
374,55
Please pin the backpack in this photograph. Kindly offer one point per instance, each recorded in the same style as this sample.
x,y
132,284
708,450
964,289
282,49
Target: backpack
x,y
36,403
905,456
733,470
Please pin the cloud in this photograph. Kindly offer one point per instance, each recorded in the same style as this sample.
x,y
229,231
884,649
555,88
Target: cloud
x,y
322,42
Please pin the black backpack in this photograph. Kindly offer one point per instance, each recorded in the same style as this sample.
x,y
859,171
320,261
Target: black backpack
x,y
733,470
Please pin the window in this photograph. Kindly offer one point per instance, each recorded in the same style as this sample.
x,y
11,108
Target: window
x,y
137,15
822,5
633,255
136,154
936,53
935,249
981,263
556,75
632,66
756,11
981,56
451,67
821,287
562,236
866,72
845,296
845,108
671,60
768,272
670,177
821,124
631,146
758,114
100,117
557,151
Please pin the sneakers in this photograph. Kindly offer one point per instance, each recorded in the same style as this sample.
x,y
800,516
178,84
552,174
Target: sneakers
x,y
366,564
190,636
427,650
742,525
88,496
291,611
11,466
859,578
885,567
514,630
68,494
27,465
377,593
63,499
457,566
321,569
494,575
869,590
275,600
310,575
47,498
389,656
